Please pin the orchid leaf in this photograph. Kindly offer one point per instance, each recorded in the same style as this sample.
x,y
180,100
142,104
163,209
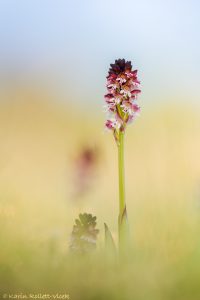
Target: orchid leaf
x,y
109,241
123,231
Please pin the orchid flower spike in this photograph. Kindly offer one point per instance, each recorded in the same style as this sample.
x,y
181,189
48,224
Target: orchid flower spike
x,y
121,99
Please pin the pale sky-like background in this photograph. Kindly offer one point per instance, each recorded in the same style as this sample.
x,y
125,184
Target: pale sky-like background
x,y
69,45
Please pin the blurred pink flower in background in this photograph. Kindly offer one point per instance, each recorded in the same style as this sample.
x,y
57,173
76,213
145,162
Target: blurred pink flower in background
x,y
84,168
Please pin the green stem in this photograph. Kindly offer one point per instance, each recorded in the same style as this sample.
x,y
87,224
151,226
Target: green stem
x,y
121,175
123,220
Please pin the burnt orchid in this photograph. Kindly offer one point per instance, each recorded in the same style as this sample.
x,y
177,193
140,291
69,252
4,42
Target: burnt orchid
x,y
122,107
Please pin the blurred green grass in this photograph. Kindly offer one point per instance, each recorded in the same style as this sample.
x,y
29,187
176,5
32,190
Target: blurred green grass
x,y
39,141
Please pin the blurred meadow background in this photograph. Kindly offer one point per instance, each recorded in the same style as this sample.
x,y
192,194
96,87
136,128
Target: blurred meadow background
x,y
56,160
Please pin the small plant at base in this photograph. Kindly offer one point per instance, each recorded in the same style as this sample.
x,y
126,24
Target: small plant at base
x,y
84,234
